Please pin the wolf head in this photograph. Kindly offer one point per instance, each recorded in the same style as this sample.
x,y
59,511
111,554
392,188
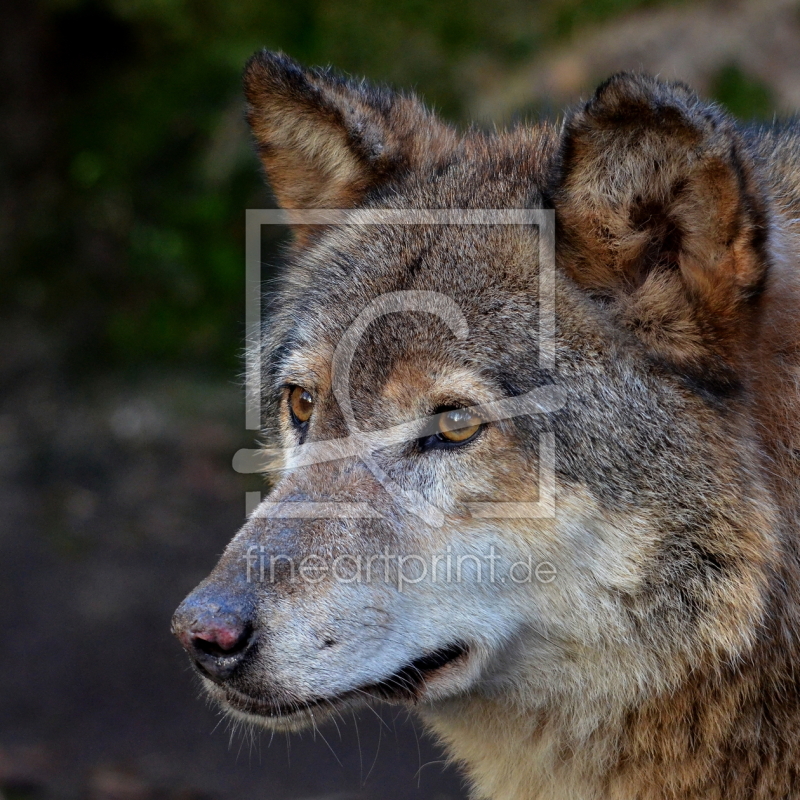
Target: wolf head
x,y
406,551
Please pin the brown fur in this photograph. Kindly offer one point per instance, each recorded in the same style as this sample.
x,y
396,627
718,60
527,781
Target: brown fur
x,y
325,145
678,245
661,663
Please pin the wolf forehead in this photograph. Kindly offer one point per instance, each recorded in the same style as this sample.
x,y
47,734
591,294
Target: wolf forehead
x,y
483,276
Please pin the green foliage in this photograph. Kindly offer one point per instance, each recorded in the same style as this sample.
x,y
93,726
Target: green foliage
x,y
572,14
744,96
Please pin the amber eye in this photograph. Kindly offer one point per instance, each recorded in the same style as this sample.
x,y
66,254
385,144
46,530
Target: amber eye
x,y
458,426
301,404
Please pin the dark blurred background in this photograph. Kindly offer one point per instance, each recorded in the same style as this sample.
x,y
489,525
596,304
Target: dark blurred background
x,y
125,172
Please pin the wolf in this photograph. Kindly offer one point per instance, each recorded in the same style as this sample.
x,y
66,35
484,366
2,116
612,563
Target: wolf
x,y
641,641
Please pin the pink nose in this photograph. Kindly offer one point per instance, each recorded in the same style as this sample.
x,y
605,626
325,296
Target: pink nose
x,y
225,637
216,638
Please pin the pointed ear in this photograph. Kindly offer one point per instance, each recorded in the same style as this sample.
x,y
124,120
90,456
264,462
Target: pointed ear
x,y
325,141
662,217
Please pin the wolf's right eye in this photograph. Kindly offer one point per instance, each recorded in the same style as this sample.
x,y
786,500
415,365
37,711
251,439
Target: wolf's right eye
x,y
301,405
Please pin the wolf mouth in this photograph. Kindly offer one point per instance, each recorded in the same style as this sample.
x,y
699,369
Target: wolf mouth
x,y
405,685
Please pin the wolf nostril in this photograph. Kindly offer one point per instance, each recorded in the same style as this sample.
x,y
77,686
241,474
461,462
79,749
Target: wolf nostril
x,y
216,630
216,642
221,641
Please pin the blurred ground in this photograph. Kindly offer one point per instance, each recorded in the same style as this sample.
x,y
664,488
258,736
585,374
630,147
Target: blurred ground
x,y
125,170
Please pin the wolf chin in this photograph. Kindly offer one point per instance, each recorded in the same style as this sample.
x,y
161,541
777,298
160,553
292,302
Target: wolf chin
x,y
660,661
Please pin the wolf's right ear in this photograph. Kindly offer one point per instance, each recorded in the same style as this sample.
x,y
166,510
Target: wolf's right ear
x,y
326,141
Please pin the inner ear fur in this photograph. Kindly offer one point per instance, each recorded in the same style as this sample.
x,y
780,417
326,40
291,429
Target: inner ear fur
x,y
661,215
326,141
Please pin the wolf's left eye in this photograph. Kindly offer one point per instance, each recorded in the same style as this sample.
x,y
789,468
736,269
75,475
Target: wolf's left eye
x,y
458,426
301,405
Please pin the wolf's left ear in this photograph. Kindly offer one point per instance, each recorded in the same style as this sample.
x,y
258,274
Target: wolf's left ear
x,y
325,141
661,217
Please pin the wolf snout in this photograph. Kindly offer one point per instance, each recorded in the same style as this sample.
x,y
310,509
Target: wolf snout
x,y
216,633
